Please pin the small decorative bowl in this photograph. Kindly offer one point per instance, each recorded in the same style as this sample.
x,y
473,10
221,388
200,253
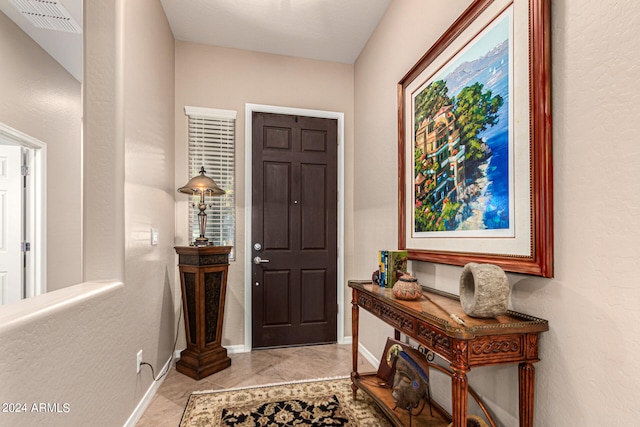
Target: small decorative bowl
x,y
407,288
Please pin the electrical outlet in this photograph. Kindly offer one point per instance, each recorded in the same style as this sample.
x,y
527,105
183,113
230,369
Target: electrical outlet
x,y
138,361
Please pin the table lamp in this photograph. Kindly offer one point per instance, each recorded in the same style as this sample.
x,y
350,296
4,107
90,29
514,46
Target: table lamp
x,y
204,186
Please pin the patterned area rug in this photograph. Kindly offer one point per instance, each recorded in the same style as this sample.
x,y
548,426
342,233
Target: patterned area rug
x,y
310,403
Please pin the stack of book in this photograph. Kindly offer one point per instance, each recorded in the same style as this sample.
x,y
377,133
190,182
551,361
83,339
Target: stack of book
x,y
389,262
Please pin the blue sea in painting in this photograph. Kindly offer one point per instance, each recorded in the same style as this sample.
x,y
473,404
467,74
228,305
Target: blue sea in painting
x,y
497,213
491,70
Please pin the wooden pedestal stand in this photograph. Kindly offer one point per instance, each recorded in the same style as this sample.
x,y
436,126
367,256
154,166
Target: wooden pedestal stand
x,y
203,279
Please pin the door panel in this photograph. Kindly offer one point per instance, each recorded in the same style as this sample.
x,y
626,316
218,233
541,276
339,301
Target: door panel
x,y
276,191
276,138
11,256
313,301
276,297
314,206
294,219
313,140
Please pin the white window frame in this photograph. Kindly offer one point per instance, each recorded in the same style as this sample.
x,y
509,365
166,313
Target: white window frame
x,y
211,141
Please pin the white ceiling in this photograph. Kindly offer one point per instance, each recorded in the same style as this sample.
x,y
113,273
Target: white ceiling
x,y
330,30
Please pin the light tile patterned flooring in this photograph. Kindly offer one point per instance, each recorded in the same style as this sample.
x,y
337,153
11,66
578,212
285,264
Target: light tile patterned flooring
x,y
248,369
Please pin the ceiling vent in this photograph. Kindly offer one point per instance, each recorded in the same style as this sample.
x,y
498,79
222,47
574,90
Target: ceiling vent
x,y
47,14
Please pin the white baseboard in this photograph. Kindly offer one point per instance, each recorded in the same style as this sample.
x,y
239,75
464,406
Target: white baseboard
x,y
346,340
368,355
235,349
146,399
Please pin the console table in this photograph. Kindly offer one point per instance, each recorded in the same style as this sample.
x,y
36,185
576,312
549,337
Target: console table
x,y
508,339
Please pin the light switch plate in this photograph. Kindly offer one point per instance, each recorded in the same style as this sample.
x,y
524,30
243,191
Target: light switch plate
x,y
154,237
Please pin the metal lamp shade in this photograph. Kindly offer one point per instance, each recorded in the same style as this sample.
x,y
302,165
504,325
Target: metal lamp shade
x,y
201,184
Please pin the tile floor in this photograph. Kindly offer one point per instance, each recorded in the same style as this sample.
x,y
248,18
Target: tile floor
x,y
248,369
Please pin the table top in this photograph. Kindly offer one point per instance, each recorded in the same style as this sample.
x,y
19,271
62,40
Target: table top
x,y
435,306
202,250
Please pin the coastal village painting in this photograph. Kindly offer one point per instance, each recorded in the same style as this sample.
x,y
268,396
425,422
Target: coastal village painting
x,y
462,144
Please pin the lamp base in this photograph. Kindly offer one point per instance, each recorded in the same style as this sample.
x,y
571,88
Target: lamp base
x,y
201,241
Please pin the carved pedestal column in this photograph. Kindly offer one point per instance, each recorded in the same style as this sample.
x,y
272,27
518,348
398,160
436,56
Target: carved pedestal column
x,y
203,279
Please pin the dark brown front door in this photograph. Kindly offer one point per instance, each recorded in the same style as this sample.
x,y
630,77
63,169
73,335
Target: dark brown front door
x,y
294,230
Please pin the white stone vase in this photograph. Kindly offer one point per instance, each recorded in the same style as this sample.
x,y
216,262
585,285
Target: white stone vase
x,y
484,290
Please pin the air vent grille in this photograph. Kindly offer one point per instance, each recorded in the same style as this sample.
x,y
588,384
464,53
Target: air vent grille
x,y
47,14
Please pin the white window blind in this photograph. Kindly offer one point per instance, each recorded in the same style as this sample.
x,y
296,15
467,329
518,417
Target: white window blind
x,y
212,145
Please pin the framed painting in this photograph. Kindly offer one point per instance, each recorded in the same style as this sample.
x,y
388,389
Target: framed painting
x,y
475,145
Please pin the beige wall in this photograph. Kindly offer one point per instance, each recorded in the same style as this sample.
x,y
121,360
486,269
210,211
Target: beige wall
x,y
41,99
78,345
588,373
149,80
223,78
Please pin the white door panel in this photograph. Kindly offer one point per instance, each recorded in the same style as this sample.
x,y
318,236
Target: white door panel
x,y
10,224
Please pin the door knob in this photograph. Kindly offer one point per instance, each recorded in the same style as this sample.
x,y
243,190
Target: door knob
x,y
257,261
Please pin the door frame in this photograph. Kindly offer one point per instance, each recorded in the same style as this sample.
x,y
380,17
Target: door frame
x,y
38,187
248,133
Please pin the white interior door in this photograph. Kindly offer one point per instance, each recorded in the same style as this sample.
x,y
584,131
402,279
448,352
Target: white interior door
x,y
10,224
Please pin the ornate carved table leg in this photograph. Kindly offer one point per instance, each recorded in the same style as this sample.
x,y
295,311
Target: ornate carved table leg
x,y
459,384
526,380
459,389
354,343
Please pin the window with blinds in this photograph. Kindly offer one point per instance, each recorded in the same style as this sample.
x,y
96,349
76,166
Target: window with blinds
x,y
212,145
